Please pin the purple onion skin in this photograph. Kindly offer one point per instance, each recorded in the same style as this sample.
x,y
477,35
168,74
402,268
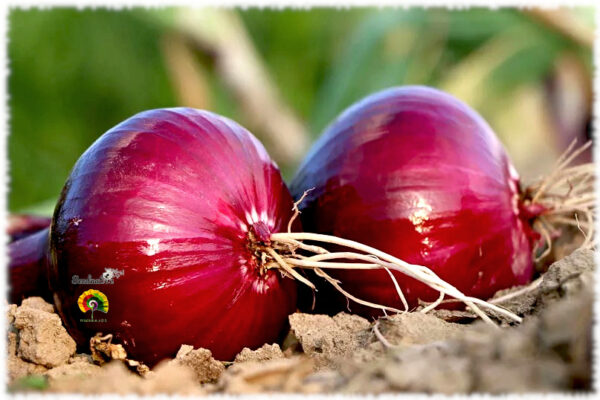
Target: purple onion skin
x,y
416,173
28,266
169,196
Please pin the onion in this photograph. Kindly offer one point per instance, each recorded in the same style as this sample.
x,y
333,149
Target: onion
x,y
416,173
160,235
28,263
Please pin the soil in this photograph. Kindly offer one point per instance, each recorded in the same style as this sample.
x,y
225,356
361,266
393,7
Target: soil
x,y
439,352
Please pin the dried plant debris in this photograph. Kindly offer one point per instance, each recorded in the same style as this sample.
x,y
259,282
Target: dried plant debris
x,y
103,350
406,352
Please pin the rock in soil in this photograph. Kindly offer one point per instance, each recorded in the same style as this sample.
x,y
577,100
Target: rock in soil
x,y
114,377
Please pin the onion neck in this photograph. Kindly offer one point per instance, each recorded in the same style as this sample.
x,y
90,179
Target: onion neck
x,y
530,211
257,243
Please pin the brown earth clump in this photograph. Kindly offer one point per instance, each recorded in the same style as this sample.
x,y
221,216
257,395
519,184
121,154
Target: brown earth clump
x,y
264,353
205,368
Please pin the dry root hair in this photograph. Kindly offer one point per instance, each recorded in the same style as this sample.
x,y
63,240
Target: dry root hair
x,y
567,197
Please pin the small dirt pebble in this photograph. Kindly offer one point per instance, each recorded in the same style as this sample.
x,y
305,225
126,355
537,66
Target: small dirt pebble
x,y
200,361
264,353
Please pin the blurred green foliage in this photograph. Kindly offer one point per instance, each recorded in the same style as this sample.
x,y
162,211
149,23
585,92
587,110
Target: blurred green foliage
x,y
75,74
29,383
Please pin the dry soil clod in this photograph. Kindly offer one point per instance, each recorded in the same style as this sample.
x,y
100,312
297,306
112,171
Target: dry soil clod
x,y
42,338
264,353
200,361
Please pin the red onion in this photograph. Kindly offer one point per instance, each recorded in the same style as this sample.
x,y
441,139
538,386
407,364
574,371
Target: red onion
x,y
418,174
28,263
159,232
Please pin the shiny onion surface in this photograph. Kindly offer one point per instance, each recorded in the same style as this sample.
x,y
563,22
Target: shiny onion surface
x,y
168,206
416,173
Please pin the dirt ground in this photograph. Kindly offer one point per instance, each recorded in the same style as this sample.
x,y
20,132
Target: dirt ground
x,y
438,352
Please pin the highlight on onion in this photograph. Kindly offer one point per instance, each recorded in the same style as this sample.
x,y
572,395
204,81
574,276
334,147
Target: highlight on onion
x,y
159,238
421,177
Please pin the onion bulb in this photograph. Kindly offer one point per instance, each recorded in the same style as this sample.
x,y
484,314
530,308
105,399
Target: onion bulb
x,y
158,238
418,174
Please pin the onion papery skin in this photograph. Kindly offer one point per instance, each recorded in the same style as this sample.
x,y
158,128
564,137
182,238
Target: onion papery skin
x,y
416,173
169,197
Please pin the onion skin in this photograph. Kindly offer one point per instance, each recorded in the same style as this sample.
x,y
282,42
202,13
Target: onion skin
x,y
28,267
416,173
169,196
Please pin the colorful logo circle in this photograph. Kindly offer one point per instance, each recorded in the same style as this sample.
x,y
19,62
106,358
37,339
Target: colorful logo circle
x,y
93,300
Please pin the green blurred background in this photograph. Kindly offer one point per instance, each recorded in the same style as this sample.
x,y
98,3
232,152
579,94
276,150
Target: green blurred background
x,y
285,74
